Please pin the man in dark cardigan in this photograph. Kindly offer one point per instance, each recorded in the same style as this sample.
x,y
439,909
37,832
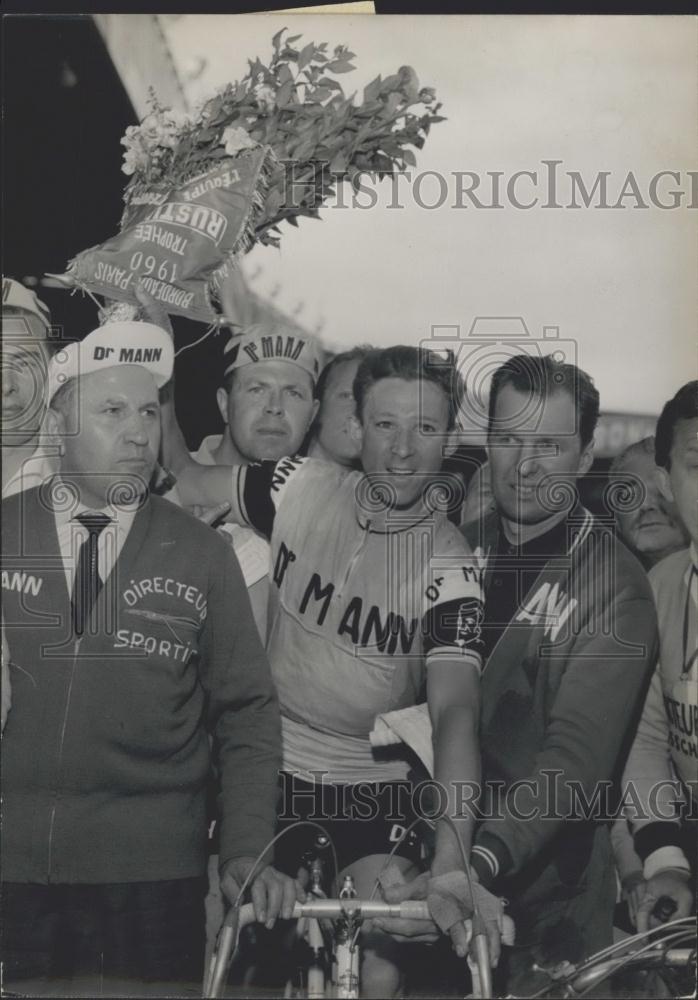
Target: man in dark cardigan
x,y
131,639
570,639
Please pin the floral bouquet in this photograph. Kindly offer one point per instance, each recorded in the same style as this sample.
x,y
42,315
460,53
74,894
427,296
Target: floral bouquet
x,y
204,189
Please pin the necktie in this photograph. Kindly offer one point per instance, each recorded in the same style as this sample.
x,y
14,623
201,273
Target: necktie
x,y
87,584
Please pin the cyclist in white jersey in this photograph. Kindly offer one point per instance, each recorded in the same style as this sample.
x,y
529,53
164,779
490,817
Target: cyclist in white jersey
x,y
374,594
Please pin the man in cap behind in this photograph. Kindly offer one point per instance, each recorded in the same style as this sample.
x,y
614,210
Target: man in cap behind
x,y
267,402
26,350
267,397
130,638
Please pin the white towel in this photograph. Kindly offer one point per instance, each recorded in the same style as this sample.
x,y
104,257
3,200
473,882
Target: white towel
x,y
407,725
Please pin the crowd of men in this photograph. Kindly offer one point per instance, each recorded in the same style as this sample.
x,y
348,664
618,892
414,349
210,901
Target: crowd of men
x,y
198,642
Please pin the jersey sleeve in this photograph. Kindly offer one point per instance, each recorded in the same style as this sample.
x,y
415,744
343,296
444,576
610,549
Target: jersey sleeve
x,y
259,490
453,605
651,789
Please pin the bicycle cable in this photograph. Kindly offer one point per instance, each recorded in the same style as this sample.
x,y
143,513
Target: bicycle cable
x,y
431,823
619,946
376,884
622,963
270,844
635,938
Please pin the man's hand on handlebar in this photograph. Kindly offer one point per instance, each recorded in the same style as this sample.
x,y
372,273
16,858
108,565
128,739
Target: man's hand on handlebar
x,y
423,931
460,931
273,894
672,883
633,888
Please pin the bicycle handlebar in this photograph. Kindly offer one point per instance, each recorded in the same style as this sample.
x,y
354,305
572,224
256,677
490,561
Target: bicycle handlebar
x,y
330,909
237,918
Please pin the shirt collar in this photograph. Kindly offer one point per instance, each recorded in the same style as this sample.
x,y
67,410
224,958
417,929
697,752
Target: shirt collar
x,y
121,516
553,542
384,521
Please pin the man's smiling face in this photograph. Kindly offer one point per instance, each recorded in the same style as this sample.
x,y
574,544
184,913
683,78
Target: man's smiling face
x,y
529,454
402,430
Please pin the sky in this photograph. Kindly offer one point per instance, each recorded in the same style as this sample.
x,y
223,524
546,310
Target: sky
x,y
615,94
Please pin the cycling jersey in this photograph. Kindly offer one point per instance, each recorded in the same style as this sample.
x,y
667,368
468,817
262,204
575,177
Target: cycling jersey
x,y
666,742
361,602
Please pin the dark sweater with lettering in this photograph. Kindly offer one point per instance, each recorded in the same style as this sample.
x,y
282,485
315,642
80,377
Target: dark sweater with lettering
x,y
573,643
106,748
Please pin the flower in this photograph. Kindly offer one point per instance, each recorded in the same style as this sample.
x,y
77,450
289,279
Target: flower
x,y
172,123
235,138
131,162
179,119
150,143
265,96
119,312
427,95
136,157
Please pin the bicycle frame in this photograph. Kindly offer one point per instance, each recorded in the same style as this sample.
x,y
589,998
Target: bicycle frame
x,y
351,913
673,948
658,957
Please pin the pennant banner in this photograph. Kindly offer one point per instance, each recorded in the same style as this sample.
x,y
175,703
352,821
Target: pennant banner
x,y
175,241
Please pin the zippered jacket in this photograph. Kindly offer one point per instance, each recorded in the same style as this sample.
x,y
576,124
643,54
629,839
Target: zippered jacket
x,y
106,749
561,695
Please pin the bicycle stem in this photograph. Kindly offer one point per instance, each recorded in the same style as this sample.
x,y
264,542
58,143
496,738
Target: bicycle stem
x,y
332,909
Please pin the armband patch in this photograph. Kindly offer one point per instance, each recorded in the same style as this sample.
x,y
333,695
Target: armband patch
x,y
452,579
455,625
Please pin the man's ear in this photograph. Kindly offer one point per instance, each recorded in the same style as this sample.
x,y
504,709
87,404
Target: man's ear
x,y
356,430
450,444
664,483
587,459
222,400
54,423
55,427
